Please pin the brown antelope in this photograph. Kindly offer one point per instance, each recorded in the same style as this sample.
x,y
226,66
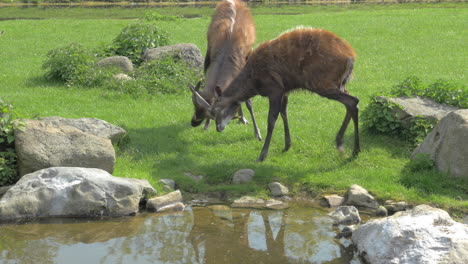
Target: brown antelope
x,y
231,35
313,59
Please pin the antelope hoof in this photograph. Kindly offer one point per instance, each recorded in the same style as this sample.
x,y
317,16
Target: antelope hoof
x,y
242,120
356,152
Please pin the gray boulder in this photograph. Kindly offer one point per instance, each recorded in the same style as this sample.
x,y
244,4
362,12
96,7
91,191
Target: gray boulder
x,y
120,62
73,192
4,189
165,202
359,197
346,215
277,189
418,106
92,126
186,52
447,144
45,144
421,235
243,176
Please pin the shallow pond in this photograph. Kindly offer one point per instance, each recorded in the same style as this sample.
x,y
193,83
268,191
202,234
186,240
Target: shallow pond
x,y
214,234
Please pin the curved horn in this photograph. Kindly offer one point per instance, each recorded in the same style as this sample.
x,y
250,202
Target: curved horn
x,y
203,103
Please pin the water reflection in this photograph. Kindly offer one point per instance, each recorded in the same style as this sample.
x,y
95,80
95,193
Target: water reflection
x,y
216,234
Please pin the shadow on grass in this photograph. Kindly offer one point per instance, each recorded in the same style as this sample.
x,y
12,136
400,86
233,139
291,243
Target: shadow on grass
x,y
42,81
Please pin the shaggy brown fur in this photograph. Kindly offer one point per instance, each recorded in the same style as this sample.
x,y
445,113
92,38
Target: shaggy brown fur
x,y
313,59
231,35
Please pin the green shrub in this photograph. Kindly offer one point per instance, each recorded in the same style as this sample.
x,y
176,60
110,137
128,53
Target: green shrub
x,y
169,75
8,123
76,65
441,91
379,117
72,64
134,39
418,129
155,16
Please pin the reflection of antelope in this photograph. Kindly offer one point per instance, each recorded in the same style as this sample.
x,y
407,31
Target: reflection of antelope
x,y
231,35
312,59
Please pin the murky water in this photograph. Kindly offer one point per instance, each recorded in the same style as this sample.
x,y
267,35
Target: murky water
x,y
215,234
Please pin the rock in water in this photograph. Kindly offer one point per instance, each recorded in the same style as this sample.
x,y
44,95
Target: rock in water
x,y
73,192
421,235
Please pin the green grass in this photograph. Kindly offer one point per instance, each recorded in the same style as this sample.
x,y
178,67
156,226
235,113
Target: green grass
x,y
391,42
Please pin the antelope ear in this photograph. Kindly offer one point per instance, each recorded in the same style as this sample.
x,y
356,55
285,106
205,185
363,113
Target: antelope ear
x,y
197,88
191,88
218,91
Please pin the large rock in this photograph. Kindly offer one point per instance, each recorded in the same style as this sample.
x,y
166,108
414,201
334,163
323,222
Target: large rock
x,y
359,197
119,62
93,126
187,52
419,106
45,144
73,192
421,235
447,144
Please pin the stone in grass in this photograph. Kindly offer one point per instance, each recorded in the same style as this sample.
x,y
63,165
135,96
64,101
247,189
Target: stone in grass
x,y
277,189
45,143
194,177
118,62
168,182
447,144
243,176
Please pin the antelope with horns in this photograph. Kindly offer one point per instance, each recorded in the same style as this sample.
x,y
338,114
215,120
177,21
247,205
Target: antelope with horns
x,y
231,35
313,59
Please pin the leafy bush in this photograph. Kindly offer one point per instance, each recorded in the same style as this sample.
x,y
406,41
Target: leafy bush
x,y
169,75
72,64
76,65
441,91
155,16
379,116
134,39
8,123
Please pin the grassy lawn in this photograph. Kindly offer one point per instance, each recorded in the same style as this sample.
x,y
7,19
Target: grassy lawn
x,y
392,42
